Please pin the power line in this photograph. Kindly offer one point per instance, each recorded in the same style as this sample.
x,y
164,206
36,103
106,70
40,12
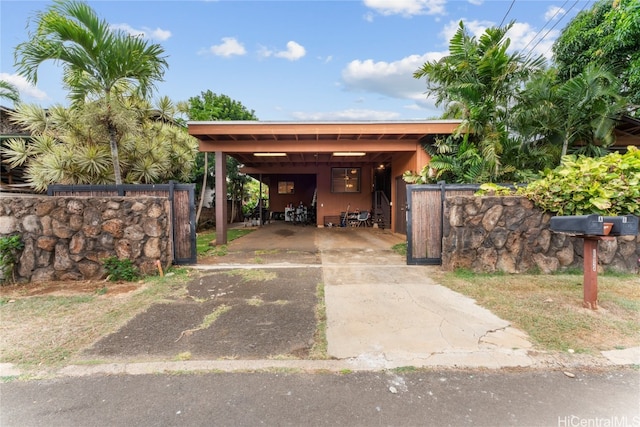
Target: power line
x,y
508,10
554,25
583,8
561,8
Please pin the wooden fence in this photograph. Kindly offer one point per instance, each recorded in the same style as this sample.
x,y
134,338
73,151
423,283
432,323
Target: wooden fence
x,y
181,198
425,219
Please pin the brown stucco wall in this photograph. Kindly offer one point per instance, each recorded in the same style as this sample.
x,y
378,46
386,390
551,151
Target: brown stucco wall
x,y
67,238
328,203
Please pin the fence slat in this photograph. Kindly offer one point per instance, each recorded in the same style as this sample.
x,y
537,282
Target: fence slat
x,y
424,228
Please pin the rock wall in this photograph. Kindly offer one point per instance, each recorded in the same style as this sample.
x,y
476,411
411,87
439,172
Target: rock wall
x,y
67,238
487,234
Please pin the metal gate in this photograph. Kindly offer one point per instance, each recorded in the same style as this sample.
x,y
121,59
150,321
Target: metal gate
x,y
425,219
181,198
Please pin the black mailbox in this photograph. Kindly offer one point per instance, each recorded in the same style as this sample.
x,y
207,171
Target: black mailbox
x,y
626,225
593,225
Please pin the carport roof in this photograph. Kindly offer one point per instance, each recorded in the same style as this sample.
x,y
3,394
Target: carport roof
x,y
305,143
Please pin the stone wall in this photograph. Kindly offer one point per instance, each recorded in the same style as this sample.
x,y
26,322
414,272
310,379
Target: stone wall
x,y
67,238
509,234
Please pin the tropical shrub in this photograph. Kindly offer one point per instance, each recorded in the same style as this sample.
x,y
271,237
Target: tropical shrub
x,y
608,185
120,269
10,249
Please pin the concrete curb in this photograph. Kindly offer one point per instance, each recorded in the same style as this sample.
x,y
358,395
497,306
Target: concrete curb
x,y
483,359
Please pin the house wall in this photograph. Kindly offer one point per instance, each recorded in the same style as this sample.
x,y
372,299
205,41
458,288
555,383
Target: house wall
x,y
319,177
487,234
304,186
402,162
67,238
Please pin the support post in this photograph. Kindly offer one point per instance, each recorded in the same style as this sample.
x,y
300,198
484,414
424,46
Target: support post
x,y
590,270
221,198
590,273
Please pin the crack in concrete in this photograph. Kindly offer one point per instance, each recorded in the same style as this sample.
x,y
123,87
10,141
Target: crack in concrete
x,y
492,331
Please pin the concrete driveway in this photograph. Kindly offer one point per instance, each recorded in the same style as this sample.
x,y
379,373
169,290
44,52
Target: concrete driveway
x,y
382,313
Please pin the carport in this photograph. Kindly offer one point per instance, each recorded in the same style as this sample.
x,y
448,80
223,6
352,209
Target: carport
x,y
332,166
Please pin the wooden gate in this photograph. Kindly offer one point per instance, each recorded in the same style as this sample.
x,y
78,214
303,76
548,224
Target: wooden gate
x,y
425,219
181,198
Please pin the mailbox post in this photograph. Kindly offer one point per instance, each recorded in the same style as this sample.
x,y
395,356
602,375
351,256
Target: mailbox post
x,y
592,229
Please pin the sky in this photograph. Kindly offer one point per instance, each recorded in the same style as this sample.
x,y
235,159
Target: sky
x,y
297,60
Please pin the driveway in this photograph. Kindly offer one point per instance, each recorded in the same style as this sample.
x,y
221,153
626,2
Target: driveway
x,y
380,312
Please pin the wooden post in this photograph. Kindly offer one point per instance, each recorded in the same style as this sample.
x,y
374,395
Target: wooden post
x,y
590,270
221,198
590,273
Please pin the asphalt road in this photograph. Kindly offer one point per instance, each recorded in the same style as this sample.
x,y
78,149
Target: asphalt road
x,y
416,398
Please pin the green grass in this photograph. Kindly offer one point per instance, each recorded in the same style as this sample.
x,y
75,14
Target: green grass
x,y
319,348
549,307
46,331
205,241
210,318
253,275
400,248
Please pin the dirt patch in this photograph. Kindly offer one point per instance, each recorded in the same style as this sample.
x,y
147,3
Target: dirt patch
x,y
266,315
68,288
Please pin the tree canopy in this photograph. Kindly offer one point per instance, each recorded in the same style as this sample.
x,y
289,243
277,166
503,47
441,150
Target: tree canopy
x,y
211,106
578,115
99,63
608,36
476,82
9,91
71,145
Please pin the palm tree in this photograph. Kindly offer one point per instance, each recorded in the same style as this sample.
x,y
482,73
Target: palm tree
x,y
476,82
556,115
70,145
97,60
9,91
591,103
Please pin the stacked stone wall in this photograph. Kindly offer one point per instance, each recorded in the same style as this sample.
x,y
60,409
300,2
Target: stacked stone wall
x,y
509,234
68,238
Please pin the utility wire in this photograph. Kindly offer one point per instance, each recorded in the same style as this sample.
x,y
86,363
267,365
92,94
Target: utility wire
x,y
550,29
561,8
508,10
586,3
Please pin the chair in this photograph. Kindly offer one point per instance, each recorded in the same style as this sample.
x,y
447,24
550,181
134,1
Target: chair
x,y
364,217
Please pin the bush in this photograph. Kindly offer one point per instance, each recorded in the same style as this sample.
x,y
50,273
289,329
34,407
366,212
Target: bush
x,y
608,185
10,249
121,269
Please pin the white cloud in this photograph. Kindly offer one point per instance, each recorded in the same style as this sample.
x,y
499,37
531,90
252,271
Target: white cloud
x,y
25,88
157,34
392,79
476,2
407,7
553,13
475,28
523,38
521,34
349,114
294,52
160,34
229,47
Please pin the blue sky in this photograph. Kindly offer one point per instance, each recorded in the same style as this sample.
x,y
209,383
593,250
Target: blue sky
x,y
299,60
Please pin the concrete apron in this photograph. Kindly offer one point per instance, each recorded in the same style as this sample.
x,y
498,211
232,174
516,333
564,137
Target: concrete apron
x,y
384,314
